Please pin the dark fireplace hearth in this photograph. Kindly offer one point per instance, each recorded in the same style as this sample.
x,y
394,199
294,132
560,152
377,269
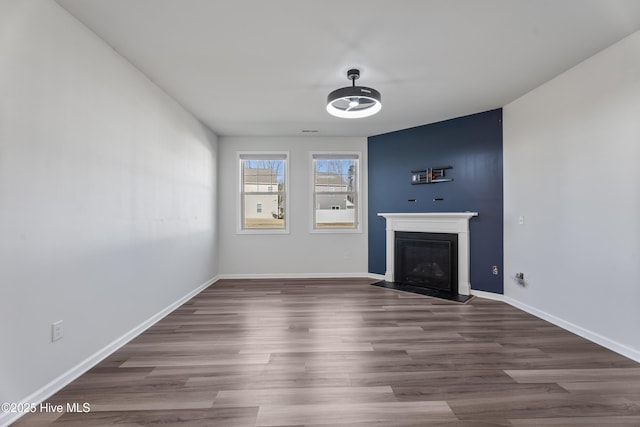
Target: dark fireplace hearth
x,y
427,260
419,254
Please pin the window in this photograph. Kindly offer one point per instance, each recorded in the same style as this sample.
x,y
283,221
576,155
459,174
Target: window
x,y
263,189
336,192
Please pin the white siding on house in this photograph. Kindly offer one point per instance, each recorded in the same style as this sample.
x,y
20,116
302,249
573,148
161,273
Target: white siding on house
x,y
260,206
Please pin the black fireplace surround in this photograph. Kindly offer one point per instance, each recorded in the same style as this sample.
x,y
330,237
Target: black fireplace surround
x,y
427,260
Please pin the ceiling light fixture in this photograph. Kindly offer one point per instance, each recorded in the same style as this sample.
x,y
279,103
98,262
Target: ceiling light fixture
x,y
354,102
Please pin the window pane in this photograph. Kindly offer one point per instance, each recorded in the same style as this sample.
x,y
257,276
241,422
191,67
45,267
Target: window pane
x,y
335,192
270,213
263,193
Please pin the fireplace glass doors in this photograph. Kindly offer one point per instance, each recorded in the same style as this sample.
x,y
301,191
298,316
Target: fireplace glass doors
x,y
428,260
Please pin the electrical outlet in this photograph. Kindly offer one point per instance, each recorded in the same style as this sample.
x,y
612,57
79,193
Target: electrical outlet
x,y
521,220
57,330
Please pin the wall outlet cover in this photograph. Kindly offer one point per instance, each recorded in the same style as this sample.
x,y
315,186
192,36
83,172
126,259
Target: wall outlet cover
x,y
57,330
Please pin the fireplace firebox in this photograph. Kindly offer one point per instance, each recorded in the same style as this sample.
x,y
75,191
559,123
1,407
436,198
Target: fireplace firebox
x,y
428,260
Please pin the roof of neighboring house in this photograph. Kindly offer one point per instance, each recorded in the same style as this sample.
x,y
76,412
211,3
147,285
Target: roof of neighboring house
x,y
265,176
330,179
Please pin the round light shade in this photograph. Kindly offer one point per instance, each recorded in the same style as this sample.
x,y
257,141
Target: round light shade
x,y
354,102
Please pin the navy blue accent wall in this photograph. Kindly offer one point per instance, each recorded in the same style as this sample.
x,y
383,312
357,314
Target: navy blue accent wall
x,y
473,146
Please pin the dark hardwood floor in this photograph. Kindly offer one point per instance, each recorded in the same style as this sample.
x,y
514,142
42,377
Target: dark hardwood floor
x,y
342,353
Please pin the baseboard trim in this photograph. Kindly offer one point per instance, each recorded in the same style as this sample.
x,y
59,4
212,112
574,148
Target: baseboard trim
x,y
594,337
63,380
488,295
612,345
295,276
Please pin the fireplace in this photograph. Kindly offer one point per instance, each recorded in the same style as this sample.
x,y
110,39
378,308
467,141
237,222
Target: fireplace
x,y
431,222
428,260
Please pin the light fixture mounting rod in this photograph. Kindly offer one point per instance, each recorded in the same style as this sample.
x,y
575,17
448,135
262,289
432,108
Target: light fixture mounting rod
x,y
353,75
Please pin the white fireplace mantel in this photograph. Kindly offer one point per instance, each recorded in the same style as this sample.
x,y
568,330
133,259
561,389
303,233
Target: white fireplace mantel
x,y
432,222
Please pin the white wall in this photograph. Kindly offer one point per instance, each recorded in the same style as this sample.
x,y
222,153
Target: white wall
x,y
107,197
571,168
298,253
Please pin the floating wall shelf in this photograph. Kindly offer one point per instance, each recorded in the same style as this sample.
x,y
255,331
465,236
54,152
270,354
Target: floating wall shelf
x,y
430,175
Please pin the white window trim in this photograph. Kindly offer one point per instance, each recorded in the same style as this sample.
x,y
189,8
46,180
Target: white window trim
x,y
359,208
239,207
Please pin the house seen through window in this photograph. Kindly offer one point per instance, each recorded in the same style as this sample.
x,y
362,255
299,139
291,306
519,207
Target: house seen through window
x,y
335,191
263,191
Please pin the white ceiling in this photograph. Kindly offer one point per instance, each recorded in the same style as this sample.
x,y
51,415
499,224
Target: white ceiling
x,y
265,67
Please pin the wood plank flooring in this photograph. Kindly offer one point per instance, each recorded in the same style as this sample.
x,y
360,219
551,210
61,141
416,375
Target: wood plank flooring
x,y
338,352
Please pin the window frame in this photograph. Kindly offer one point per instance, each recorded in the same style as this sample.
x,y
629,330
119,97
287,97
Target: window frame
x,y
328,155
240,202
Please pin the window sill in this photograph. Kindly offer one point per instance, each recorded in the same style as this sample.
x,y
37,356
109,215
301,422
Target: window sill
x,y
336,231
263,231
